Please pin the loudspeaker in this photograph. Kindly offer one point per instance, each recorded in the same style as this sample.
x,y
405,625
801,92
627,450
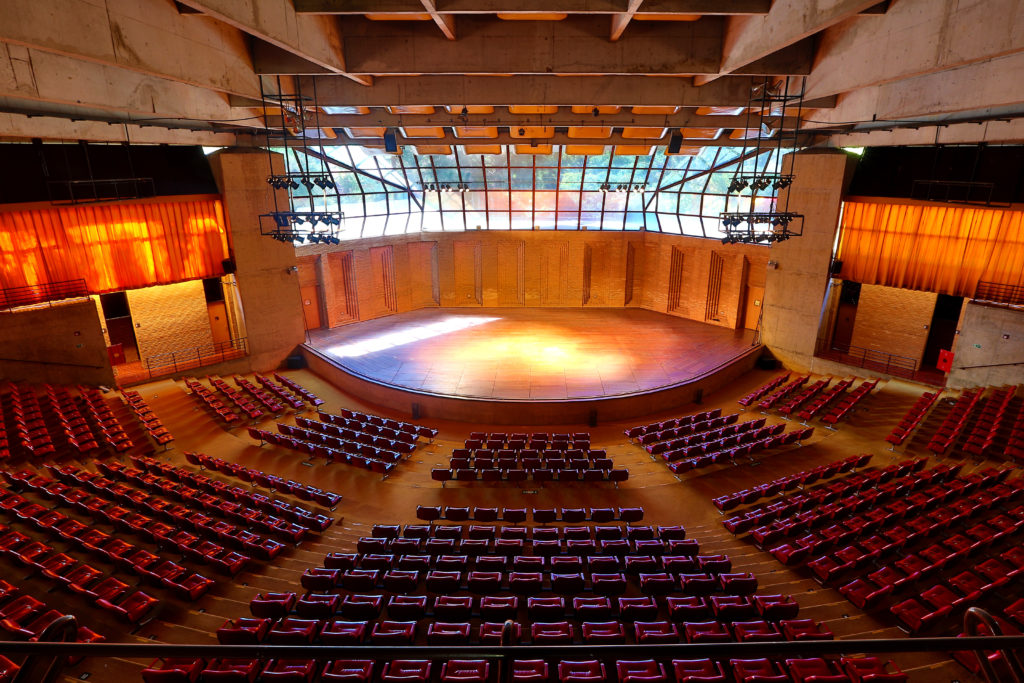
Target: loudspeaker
x,y
675,143
296,362
767,363
228,265
592,418
415,411
390,141
837,267
698,398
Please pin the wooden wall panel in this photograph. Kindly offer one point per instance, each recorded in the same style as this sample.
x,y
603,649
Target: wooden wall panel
x,y
466,263
511,270
630,273
554,274
382,268
675,280
422,275
341,300
715,268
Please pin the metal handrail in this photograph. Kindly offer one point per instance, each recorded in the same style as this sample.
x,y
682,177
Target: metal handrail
x,y
45,292
1002,293
974,617
197,354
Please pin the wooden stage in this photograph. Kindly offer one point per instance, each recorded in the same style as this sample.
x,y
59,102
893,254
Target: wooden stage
x,y
595,359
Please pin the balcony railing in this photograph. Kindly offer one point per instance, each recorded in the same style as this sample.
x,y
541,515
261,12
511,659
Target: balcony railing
x,y
47,292
1004,294
870,359
173,362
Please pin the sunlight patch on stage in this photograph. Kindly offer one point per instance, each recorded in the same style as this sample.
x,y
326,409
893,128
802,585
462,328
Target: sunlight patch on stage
x,y
540,354
408,335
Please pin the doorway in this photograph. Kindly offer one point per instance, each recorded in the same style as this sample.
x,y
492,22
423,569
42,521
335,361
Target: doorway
x,y
942,331
846,314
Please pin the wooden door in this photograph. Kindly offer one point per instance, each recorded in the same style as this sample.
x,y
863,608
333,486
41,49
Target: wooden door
x,y
311,306
218,321
752,307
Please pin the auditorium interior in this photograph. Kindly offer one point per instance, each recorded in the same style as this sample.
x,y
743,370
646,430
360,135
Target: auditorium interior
x,y
478,341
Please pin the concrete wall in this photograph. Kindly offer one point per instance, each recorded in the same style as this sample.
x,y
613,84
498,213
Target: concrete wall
x,y
170,318
268,289
373,278
795,288
981,343
62,344
893,320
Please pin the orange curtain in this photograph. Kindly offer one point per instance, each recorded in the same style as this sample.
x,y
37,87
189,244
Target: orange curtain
x,y
113,246
934,248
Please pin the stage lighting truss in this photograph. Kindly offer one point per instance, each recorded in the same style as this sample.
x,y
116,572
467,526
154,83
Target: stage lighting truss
x,y
761,227
759,182
314,227
293,181
446,187
623,187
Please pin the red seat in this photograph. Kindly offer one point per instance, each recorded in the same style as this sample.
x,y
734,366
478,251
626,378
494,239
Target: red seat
x,y
453,607
225,670
547,608
448,633
655,632
551,633
871,670
640,671
406,671
407,607
393,633
243,631
292,631
805,629
698,671
592,608
757,671
632,609
491,632
337,632
348,671
131,609
706,632
815,670
582,671
465,671
604,632
289,670
167,670
494,607
530,671
775,607
272,605
755,631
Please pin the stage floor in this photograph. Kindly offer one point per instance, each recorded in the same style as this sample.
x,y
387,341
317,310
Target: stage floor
x,y
530,354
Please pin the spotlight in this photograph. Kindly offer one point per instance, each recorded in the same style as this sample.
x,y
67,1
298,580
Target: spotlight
x,y
313,239
307,182
292,184
522,132
281,219
595,111
298,238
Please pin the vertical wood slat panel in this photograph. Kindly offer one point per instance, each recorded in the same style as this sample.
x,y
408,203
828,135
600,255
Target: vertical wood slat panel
x,y
630,272
512,273
675,280
383,264
588,262
714,287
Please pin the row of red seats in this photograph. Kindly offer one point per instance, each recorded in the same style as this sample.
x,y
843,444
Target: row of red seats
x,y
112,596
955,421
358,611
179,516
549,463
1015,441
389,439
681,437
682,430
510,546
366,456
225,413
819,402
795,401
376,447
432,513
23,617
150,422
281,393
639,431
29,424
377,420
508,437
198,492
307,395
759,670
268,401
361,432
76,428
237,398
913,417
327,499
789,482
80,577
514,446
857,483
846,404
785,390
720,439
730,454
600,530
994,414
756,394
540,475
297,514
111,430
509,455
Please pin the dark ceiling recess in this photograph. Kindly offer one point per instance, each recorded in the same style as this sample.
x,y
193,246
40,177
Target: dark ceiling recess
x,y
971,174
175,170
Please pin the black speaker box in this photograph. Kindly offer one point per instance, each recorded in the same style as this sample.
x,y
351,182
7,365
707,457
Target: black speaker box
x,y
228,265
296,362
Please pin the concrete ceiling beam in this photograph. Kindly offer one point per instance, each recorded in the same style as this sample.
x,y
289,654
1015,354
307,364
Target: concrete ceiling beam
x,y
37,79
913,38
312,38
556,139
990,132
748,39
148,37
17,127
414,7
565,118
445,22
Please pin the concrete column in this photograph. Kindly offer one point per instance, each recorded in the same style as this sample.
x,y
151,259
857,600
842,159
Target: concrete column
x,y
268,288
795,287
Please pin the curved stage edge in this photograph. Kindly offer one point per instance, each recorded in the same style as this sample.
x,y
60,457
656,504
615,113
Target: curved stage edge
x,y
424,405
